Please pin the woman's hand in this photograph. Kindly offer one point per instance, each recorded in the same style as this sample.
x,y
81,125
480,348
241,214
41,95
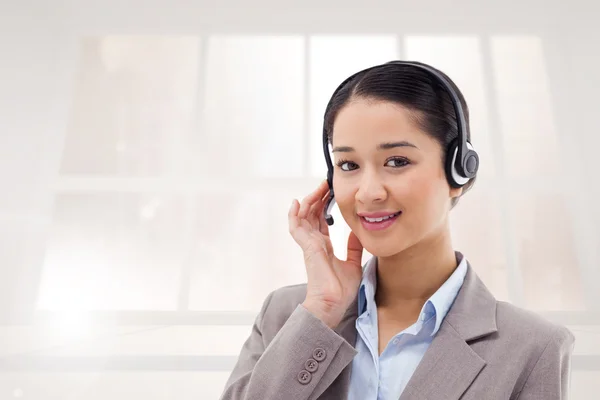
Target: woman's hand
x,y
332,283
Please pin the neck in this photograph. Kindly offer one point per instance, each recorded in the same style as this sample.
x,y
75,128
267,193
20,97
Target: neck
x,y
407,279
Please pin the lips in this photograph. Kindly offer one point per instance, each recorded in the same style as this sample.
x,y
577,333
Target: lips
x,y
379,222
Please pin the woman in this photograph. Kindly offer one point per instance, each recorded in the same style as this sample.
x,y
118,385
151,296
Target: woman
x,y
416,322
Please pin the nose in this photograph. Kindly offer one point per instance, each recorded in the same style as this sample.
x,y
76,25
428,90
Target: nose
x,y
371,189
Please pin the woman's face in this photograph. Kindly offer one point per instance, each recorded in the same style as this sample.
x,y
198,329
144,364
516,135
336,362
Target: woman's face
x,y
383,163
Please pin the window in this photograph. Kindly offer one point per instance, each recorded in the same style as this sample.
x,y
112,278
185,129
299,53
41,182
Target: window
x,y
182,156
182,148
529,137
134,106
253,107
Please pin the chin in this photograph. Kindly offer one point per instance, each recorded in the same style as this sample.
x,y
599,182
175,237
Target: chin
x,y
383,246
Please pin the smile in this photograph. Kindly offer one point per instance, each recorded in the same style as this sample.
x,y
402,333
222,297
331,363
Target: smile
x,y
377,224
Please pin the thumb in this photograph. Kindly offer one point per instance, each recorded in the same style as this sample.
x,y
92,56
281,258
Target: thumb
x,y
355,249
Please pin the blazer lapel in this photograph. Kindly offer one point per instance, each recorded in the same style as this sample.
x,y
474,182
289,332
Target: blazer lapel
x,y
449,365
446,370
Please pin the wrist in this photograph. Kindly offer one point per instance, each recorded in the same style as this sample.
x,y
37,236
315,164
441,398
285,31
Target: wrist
x,y
328,317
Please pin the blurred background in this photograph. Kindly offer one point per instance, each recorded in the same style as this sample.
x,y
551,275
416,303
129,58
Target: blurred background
x,y
149,151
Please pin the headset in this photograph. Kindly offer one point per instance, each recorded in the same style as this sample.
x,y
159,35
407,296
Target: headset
x,y
460,168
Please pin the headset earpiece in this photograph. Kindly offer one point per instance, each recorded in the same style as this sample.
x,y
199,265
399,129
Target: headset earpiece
x,y
470,164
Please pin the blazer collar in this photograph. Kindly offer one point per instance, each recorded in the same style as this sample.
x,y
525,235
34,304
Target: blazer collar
x,y
449,361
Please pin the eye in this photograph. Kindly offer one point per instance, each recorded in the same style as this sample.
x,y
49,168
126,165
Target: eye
x,y
397,162
346,165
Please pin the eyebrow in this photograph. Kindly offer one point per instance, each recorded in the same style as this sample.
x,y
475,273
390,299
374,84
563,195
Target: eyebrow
x,y
382,146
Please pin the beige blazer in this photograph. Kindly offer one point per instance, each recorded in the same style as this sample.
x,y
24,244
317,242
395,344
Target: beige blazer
x,y
484,350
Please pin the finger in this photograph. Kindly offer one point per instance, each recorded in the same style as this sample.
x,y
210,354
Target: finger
x,y
313,216
355,249
309,200
294,223
293,215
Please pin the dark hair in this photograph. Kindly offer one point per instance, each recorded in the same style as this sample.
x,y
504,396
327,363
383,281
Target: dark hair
x,y
413,88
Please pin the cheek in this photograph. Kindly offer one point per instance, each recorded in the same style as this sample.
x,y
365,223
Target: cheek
x,y
344,197
416,190
423,195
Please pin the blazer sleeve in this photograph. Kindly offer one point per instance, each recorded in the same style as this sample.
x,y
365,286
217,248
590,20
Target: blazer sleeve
x,y
299,363
550,378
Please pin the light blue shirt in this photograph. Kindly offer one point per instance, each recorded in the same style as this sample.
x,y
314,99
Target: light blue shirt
x,y
385,377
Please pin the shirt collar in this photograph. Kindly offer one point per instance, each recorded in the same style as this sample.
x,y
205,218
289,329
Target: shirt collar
x,y
443,298
438,303
368,285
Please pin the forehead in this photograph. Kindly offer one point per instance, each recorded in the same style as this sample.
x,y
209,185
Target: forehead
x,y
365,121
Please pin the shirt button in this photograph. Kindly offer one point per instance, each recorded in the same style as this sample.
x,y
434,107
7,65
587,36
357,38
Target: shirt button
x,y
319,354
304,377
311,365
396,341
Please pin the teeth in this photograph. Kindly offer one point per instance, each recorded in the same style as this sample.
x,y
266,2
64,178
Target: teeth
x,y
380,219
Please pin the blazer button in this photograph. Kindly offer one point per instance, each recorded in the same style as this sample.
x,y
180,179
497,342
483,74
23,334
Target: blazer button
x,y
319,354
311,365
304,377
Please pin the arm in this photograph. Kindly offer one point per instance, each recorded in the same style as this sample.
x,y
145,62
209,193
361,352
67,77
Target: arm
x,y
279,370
550,377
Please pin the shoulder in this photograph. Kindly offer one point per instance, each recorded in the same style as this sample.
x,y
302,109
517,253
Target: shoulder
x,y
537,350
529,339
526,324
